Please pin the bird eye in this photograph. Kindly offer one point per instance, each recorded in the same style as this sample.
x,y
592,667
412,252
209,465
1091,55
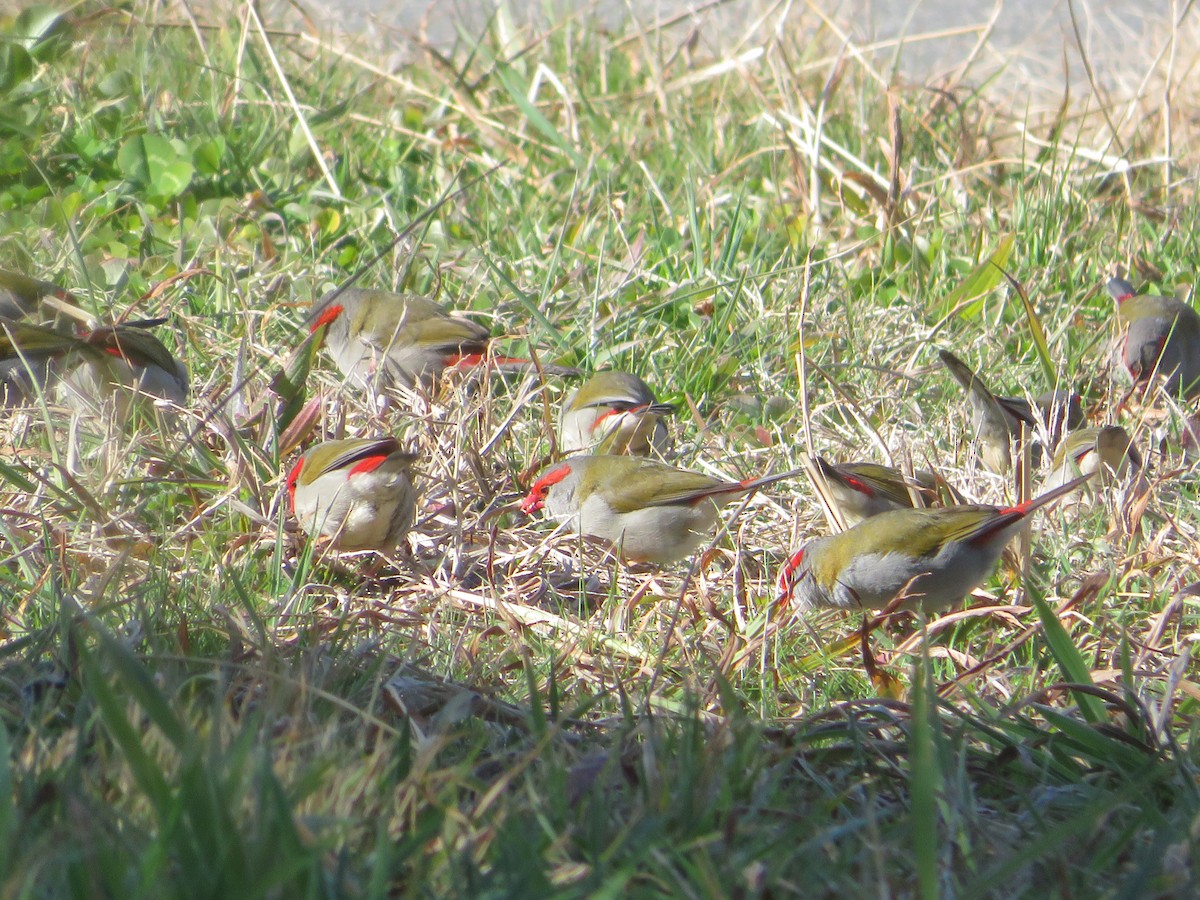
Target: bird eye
x,y
294,475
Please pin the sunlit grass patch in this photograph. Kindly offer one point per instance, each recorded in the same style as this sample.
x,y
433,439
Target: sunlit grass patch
x,y
195,700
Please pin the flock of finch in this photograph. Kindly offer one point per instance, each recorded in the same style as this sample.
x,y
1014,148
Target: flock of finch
x,y
359,493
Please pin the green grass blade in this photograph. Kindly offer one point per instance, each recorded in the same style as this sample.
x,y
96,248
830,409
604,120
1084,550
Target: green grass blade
x,y
509,79
1053,839
924,779
1102,751
8,800
1069,660
981,279
112,713
1037,332
140,683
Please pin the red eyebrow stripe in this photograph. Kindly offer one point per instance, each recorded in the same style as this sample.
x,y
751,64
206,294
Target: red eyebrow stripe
x,y
620,408
553,477
328,314
608,413
293,477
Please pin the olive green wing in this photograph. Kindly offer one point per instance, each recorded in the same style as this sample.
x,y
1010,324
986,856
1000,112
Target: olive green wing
x,y
634,483
19,339
919,533
137,345
882,480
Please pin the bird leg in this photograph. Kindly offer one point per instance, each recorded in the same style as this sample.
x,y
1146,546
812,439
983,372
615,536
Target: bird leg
x,y
883,681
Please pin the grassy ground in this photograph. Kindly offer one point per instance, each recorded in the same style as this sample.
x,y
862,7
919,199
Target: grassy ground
x,y
193,703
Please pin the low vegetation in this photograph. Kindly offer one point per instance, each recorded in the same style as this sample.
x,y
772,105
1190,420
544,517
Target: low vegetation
x,y
772,231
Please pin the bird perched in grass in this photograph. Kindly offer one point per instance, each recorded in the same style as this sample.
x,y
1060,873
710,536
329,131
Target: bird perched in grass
x,y
106,370
654,512
615,410
996,421
1107,450
861,490
939,555
34,300
31,300
1157,335
358,493
381,338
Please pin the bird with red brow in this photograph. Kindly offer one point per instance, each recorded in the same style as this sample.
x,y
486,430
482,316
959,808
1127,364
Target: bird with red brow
x,y
380,339
653,512
358,493
1157,336
614,413
937,555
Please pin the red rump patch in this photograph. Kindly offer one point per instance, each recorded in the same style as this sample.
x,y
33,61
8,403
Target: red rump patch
x,y
463,360
107,341
327,316
861,486
370,464
470,360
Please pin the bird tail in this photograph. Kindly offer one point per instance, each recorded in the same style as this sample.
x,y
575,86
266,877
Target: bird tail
x,y
825,467
510,364
18,339
964,374
756,483
1013,514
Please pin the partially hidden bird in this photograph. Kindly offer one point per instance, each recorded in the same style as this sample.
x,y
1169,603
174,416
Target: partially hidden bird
x,y
653,512
861,490
1107,450
996,421
31,300
106,370
38,301
358,493
1157,335
380,339
617,411
938,555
